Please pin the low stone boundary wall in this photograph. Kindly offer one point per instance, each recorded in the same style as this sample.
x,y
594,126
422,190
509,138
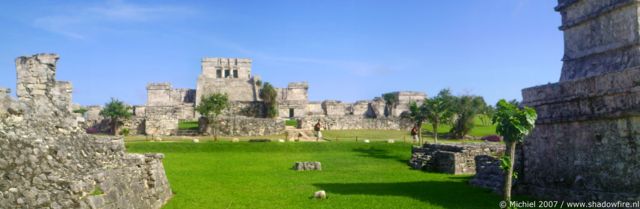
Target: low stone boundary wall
x,y
247,126
453,159
355,122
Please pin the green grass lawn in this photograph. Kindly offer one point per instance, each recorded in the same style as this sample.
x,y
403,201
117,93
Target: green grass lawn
x,y
259,175
188,125
483,127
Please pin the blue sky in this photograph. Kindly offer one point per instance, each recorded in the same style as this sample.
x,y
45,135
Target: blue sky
x,y
347,50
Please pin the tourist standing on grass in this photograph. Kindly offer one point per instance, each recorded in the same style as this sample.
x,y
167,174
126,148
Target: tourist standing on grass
x,y
317,129
414,134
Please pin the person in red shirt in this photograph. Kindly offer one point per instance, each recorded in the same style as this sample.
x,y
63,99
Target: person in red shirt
x,y
414,134
317,129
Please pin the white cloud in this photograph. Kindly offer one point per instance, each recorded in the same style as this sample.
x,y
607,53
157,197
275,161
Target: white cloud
x,y
75,22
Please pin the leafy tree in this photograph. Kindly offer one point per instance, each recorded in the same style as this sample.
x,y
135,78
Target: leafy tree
x,y
514,124
436,110
391,101
268,94
116,110
210,107
466,108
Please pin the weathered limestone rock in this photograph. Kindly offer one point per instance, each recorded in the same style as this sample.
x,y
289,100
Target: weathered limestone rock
x,y
333,108
355,122
47,162
378,107
292,101
307,166
584,146
453,159
321,195
246,126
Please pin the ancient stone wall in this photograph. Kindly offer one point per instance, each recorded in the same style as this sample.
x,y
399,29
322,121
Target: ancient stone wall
x,y
219,76
405,98
314,109
361,108
248,126
598,38
163,95
161,120
47,162
292,101
453,159
584,146
334,108
355,122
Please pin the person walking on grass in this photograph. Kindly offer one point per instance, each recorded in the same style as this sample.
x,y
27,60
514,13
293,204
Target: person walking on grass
x,y
316,128
414,134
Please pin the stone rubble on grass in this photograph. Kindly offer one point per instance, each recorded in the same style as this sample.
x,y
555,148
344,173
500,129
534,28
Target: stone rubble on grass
x,y
281,140
320,195
366,141
235,140
307,166
196,140
391,141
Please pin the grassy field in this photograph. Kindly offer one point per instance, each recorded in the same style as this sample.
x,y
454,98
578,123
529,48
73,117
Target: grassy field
x,y
259,175
483,127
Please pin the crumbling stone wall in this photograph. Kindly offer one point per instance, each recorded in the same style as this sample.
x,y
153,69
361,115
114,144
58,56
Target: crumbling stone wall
x,y
584,146
219,76
248,126
453,159
48,162
355,122
334,108
295,98
161,120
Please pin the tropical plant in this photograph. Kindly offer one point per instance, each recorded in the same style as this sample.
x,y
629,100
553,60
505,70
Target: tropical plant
x,y
268,94
514,124
210,107
435,110
465,108
116,110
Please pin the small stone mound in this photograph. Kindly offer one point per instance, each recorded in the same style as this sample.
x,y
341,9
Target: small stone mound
x,y
321,195
366,141
391,141
307,166
281,140
196,140
235,140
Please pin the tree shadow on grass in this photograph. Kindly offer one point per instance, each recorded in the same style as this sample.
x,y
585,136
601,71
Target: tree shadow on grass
x,y
448,194
379,153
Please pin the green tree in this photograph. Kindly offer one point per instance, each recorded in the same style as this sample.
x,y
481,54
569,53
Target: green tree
x,y
436,110
391,101
465,108
514,124
210,107
268,94
116,110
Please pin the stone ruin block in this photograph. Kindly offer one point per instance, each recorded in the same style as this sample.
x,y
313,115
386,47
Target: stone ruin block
x,y
452,159
333,108
584,146
307,166
47,162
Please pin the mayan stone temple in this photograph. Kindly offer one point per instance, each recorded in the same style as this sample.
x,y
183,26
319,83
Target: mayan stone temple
x,y
585,144
47,161
166,106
